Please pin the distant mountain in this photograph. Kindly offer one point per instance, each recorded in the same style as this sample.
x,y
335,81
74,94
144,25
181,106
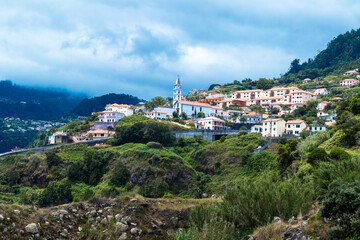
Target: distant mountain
x,y
342,53
31,103
95,104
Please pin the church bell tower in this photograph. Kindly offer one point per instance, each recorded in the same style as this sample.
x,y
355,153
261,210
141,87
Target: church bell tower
x,y
177,90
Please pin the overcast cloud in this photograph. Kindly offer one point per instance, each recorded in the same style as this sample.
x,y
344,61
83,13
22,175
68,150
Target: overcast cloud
x,y
139,47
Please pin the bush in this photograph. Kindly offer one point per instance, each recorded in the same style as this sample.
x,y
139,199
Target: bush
x,y
29,195
81,192
154,145
52,159
251,204
342,205
155,189
327,172
120,176
56,193
317,155
312,142
168,196
339,154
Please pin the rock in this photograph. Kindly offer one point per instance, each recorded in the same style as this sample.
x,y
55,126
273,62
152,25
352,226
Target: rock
x,y
17,212
120,227
100,211
104,221
126,219
204,195
47,223
214,196
248,237
110,218
135,231
293,221
2,217
133,200
276,219
32,228
174,220
123,236
79,229
63,212
118,217
294,234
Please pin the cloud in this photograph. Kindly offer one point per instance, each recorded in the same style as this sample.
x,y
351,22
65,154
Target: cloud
x,y
139,47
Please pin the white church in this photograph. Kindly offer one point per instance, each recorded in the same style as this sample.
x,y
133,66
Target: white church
x,y
191,108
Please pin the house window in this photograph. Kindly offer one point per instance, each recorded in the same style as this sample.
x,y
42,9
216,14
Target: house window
x,y
192,108
297,126
316,128
288,126
200,109
296,132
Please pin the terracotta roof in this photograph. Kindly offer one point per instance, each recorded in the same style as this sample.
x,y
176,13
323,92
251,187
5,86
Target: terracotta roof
x,y
157,112
60,134
211,118
337,98
281,88
98,131
273,120
349,80
297,121
267,98
194,103
259,126
302,91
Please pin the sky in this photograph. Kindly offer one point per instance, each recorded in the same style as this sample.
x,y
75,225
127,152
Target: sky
x,y
139,47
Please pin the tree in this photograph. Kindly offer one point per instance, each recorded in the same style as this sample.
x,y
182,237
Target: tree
x,y
183,115
175,114
264,83
294,66
121,176
154,102
317,155
201,115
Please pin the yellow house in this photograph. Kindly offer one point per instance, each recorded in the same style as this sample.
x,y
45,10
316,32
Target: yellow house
x,y
295,127
273,127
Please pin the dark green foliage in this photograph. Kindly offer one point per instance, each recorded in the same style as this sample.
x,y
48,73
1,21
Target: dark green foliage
x,y
317,155
40,104
286,157
339,55
260,162
201,115
342,205
327,172
155,145
264,84
55,193
211,87
95,163
251,204
120,176
339,154
96,104
144,132
156,188
52,159
76,172
155,102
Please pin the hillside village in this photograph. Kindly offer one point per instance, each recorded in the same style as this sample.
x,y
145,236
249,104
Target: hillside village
x,y
264,111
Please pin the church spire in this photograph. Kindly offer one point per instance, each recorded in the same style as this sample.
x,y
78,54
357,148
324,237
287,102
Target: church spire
x,y
177,81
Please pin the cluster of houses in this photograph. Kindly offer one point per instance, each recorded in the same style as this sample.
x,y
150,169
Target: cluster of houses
x,y
213,109
20,125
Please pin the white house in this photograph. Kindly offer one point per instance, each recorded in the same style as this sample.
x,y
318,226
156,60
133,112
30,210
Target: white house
x,y
168,110
99,134
191,107
321,91
317,128
212,123
295,127
110,116
321,105
158,115
256,129
351,72
273,127
348,82
125,109
326,117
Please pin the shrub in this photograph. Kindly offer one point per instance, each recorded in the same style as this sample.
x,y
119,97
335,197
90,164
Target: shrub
x,y
55,193
29,195
155,189
120,176
168,196
317,155
52,159
339,154
251,204
312,142
342,205
327,172
81,192
155,145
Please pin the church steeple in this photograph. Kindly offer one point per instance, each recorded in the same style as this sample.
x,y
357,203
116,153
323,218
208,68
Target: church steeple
x,y
177,90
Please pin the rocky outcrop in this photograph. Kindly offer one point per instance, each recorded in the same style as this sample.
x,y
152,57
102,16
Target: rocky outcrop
x,y
113,219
